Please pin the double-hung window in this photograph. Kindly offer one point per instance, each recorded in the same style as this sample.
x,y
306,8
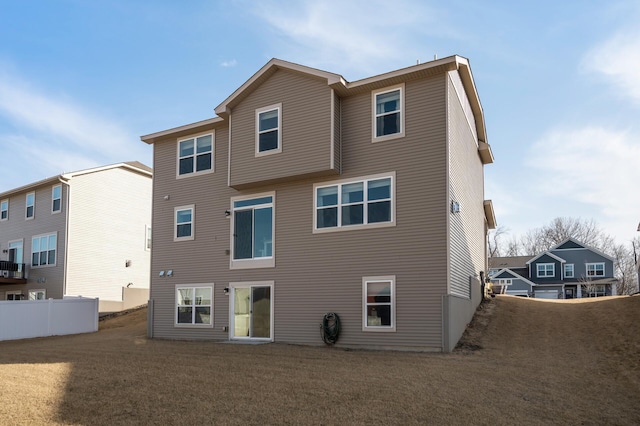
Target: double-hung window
x,y
56,199
30,205
388,113
354,204
269,130
43,250
4,209
595,269
194,305
253,231
195,155
379,305
184,218
568,270
546,270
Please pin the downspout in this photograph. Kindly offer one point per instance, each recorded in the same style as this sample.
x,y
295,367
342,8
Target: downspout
x,y
66,236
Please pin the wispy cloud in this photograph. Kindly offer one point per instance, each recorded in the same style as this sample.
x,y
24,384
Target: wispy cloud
x,y
229,64
593,167
355,35
51,133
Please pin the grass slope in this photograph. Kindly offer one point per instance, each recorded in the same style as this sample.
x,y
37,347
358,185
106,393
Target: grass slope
x,y
522,361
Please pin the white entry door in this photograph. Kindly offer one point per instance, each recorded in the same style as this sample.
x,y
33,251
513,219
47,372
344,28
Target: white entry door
x,y
251,311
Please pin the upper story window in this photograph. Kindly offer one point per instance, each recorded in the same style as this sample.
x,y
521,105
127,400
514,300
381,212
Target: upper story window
x,y
184,223
568,270
269,130
56,199
595,269
379,310
43,250
4,209
354,204
546,270
195,155
30,205
388,113
253,237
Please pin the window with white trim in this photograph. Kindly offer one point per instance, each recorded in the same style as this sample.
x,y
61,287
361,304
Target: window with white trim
x,y
504,282
30,205
184,218
37,294
195,155
253,224
14,295
546,270
194,305
569,270
269,130
388,113
595,269
147,237
4,209
379,305
56,199
354,204
43,250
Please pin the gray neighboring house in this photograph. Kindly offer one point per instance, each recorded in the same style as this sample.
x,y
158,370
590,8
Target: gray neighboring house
x,y
308,194
84,233
569,270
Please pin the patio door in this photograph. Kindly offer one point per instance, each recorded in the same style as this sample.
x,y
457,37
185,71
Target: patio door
x,y
251,311
16,255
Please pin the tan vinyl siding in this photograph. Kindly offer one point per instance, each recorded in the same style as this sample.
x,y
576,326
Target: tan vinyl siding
x,y
306,131
110,210
319,273
464,100
44,222
466,187
337,133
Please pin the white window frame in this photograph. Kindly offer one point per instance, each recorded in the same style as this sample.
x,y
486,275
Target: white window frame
x,y
40,251
339,205
4,209
546,270
573,270
594,265
259,262
27,205
193,305
54,199
392,304
259,111
194,172
505,281
13,293
34,293
401,111
190,237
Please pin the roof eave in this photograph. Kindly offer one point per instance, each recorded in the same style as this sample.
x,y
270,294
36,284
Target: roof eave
x,y
187,128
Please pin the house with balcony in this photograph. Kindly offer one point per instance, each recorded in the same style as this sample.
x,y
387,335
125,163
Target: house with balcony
x,y
308,194
85,233
568,270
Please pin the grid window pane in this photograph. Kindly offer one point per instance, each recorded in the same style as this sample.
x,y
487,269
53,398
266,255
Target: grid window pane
x,y
243,232
352,215
263,223
379,212
268,141
327,218
268,120
327,196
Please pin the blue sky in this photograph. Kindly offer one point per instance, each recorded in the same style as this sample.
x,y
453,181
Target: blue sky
x,y
81,81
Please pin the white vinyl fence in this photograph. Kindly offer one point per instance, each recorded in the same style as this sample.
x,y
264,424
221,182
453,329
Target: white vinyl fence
x,y
23,319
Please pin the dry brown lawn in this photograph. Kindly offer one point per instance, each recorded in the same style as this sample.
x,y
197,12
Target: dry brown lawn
x,y
522,361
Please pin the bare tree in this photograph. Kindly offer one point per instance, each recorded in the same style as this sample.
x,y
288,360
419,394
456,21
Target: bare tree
x,y
495,239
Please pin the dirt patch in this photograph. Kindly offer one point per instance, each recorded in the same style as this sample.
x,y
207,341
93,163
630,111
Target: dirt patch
x,y
521,361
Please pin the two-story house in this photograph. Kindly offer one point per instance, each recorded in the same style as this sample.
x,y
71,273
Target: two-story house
x,y
85,233
308,194
569,270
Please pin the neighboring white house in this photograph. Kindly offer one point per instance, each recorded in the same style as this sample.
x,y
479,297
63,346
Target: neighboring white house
x,y
85,233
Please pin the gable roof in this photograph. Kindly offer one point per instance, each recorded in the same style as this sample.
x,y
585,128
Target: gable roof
x,y
514,275
344,88
134,166
546,253
571,243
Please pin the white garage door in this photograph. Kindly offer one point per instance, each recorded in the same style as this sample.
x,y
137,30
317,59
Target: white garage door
x,y
546,294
